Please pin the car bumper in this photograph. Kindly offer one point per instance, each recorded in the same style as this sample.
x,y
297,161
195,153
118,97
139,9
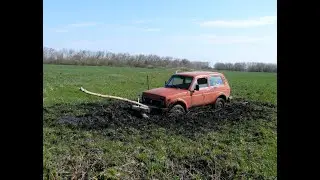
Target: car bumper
x,y
148,108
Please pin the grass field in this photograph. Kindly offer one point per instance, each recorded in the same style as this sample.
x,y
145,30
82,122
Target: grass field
x,y
235,149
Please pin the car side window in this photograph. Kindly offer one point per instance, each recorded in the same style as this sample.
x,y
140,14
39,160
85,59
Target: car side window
x,y
216,81
202,82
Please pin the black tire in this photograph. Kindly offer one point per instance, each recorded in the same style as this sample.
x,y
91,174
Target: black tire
x,y
176,110
219,104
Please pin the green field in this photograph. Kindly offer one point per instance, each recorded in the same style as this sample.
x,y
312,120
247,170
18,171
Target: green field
x,y
73,152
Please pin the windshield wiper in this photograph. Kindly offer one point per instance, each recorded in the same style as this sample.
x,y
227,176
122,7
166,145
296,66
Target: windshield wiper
x,y
175,86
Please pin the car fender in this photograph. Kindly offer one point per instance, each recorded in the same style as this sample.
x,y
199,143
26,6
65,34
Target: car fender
x,y
222,94
179,100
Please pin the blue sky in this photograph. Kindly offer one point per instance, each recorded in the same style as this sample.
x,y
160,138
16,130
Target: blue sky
x,y
202,30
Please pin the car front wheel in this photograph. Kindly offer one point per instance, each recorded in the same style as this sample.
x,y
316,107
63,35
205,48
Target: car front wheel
x,y
176,110
219,104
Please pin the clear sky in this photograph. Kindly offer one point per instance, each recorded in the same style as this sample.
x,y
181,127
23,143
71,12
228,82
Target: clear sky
x,y
204,30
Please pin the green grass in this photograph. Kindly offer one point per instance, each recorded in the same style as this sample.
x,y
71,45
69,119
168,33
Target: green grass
x,y
233,149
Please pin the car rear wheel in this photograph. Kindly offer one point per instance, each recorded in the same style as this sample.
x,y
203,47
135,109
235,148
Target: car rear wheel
x,y
176,110
219,104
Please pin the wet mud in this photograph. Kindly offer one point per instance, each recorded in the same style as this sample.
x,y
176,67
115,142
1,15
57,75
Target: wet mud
x,y
118,115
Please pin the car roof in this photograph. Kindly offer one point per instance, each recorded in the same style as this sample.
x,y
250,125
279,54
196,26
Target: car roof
x,y
198,73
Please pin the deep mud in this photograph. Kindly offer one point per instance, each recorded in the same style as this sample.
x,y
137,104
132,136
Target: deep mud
x,y
118,115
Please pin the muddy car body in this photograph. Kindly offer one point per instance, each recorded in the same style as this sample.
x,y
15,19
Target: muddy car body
x,y
189,89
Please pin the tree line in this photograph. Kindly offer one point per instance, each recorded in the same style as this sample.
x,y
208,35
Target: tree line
x,y
106,58
249,67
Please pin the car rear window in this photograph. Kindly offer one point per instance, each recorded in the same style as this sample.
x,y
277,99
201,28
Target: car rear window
x,y
215,80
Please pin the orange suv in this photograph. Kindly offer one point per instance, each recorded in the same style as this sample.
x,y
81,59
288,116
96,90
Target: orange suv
x,y
189,89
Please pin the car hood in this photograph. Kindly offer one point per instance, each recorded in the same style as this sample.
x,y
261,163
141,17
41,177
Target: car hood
x,y
165,92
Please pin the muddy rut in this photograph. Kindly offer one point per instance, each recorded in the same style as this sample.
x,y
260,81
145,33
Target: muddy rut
x,y
118,115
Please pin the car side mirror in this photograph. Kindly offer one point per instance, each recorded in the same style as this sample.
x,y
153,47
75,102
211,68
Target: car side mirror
x,y
197,87
165,83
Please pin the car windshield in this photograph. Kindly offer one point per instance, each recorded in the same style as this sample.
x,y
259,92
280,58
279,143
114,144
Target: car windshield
x,y
178,81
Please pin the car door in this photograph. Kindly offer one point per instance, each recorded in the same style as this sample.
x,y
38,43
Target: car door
x,y
197,97
216,85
